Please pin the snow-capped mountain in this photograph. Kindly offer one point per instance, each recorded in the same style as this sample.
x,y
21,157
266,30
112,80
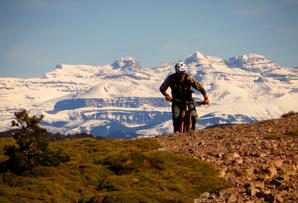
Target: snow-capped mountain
x,y
122,99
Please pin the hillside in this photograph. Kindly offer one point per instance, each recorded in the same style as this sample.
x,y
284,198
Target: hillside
x,y
106,170
226,163
260,159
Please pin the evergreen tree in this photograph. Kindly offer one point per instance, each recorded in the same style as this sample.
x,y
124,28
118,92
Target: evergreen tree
x,y
32,145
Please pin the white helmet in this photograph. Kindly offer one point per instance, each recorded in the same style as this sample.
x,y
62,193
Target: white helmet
x,y
180,67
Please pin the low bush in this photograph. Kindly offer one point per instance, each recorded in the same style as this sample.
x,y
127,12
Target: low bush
x,y
31,147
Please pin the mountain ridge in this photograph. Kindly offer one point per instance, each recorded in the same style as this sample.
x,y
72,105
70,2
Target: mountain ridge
x,y
268,92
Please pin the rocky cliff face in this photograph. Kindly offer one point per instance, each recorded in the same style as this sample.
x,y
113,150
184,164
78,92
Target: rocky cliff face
x,y
125,102
259,159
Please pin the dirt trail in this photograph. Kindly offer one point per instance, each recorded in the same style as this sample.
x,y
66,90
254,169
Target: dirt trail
x,y
260,159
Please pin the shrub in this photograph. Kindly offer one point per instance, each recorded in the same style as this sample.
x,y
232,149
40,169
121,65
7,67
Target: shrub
x,y
32,146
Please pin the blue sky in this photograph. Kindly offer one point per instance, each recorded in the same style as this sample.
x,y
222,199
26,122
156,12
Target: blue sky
x,y
35,35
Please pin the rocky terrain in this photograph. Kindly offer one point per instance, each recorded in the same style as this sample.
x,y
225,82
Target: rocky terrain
x,y
259,159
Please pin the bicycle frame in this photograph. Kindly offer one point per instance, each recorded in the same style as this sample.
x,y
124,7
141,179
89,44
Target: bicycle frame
x,y
185,116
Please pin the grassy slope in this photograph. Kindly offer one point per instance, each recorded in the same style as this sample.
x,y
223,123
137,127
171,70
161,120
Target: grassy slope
x,y
111,171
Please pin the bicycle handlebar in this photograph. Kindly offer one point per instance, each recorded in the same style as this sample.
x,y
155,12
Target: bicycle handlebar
x,y
197,103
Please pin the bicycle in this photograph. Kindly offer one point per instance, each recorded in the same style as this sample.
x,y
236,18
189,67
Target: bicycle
x,y
186,120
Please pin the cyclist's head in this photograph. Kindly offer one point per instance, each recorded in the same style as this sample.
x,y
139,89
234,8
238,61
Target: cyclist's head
x,y
180,67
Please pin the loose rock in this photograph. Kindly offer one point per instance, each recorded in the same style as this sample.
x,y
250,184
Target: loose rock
x,y
259,159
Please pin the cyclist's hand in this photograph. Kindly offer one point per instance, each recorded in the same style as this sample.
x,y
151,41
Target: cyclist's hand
x,y
205,102
169,98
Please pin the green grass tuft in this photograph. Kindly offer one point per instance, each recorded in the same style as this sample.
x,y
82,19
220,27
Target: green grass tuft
x,y
112,171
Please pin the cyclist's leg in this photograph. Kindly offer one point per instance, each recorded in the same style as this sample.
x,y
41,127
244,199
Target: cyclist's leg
x,y
176,117
194,115
183,124
194,122
187,119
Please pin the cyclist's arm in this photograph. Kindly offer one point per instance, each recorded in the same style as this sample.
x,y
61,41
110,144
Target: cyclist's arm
x,y
198,86
163,89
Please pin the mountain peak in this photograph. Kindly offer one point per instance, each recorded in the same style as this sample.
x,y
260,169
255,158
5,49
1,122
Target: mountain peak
x,y
252,56
195,57
252,62
249,58
59,66
126,62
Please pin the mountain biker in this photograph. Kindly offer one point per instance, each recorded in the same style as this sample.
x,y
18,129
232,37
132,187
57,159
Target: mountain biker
x,y
180,84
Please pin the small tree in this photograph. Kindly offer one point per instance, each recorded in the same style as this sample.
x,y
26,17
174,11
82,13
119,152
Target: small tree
x,y
32,149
